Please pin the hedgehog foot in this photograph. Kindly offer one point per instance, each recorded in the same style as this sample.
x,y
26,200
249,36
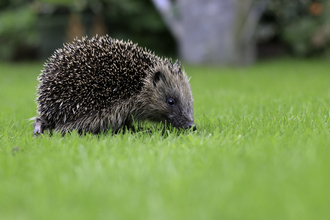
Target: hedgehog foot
x,y
39,127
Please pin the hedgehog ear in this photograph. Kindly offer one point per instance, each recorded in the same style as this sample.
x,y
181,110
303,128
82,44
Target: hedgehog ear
x,y
157,77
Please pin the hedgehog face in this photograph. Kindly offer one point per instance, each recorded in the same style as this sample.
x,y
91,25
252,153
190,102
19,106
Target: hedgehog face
x,y
170,97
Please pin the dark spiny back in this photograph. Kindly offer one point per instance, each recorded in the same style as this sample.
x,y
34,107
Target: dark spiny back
x,y
89,75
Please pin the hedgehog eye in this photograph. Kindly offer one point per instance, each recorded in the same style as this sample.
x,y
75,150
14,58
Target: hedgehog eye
x,y
170,101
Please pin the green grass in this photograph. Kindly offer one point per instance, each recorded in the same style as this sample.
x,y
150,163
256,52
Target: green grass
x,y
261,151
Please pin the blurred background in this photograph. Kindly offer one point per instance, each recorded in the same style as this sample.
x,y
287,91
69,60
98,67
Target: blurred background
x,y
220,32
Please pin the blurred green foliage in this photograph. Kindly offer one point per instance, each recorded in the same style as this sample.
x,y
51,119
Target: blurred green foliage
x,y
17,28
26,24
304,25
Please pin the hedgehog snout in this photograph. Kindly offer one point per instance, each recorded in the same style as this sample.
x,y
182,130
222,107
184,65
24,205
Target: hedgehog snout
x,y
185,124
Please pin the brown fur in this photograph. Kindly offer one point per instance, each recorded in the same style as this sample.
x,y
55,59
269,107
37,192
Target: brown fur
x,y
94,85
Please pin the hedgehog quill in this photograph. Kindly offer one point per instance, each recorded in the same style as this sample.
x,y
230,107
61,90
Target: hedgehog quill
x,y
94,85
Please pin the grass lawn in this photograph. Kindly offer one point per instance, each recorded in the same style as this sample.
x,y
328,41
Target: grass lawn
x,y
261,151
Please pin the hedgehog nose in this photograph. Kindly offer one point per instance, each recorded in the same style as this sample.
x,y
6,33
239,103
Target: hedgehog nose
x,y
193,127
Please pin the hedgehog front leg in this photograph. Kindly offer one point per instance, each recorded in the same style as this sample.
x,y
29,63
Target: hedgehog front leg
x,y
123,127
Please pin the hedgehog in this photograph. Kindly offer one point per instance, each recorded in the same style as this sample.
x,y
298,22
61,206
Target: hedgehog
x,y
96,84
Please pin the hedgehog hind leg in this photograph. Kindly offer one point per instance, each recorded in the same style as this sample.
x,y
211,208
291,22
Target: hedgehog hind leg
x,y
39,126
